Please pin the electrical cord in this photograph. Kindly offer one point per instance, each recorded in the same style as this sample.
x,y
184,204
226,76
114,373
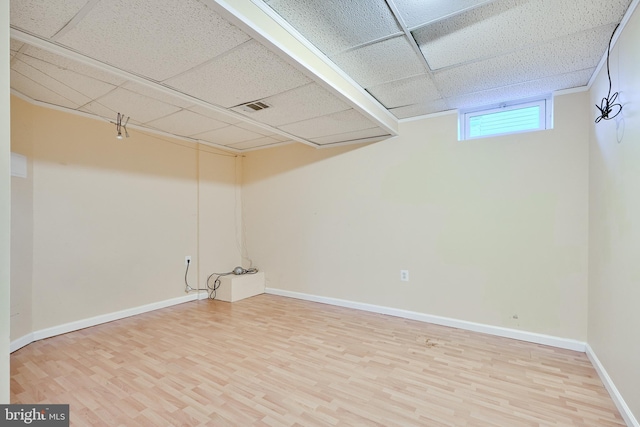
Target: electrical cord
x,y
216,283
608,104
187,288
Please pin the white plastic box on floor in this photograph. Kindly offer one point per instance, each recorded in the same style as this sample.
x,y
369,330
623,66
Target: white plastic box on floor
x,y
234,288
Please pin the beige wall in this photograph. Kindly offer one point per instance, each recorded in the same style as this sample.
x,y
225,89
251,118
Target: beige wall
x,y
5,202
614,222
113,220
488,229
21,222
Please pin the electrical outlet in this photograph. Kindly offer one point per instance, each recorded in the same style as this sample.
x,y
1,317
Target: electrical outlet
x,y
404,275
187,260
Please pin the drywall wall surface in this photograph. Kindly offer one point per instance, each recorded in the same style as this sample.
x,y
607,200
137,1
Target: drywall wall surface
x,y
21,222
614,221
114,219
492,230
219,212
5,203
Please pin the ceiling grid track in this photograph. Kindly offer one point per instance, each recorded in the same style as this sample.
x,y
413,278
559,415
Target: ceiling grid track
x,y
408,35
74,21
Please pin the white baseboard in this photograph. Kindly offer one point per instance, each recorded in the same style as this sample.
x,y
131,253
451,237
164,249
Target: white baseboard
x,y
626,413
21,342
97,320
532,337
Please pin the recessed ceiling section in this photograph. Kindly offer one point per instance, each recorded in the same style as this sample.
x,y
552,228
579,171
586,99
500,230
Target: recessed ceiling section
x,y
158,39
381,62
302,103
256,73
334,26
502,26
175,67
43,18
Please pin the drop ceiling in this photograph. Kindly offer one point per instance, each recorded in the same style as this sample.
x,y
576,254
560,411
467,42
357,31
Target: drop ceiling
x,y
331,72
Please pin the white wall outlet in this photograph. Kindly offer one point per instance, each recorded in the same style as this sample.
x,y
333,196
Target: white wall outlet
x,y
187,260
404,275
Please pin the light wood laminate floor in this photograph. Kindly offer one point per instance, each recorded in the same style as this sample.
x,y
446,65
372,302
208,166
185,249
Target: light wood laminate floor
x,y
275,361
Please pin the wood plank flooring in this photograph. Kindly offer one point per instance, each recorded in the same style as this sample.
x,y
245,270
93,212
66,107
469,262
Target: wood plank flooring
x,y
275,361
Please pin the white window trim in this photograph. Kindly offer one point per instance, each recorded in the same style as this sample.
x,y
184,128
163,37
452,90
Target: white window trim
x,y
546,116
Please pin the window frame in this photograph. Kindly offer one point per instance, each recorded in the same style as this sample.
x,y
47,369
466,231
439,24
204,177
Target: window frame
x,y
545,116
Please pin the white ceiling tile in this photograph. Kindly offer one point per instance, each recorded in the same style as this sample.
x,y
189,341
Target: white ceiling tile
x,y
36,91
411,90
573,53
506,25
65,63
418,12
155,38
156,94
522,90
186,123
351,136
64,80
98,109
255,143
44,18
336,25
380,62
253,128
304,102
256,73
279,137
140,108
208,112
228,135
420,109
36,75
331,124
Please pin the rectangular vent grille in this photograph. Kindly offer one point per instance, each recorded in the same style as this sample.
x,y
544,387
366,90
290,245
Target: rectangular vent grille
x,y
255,106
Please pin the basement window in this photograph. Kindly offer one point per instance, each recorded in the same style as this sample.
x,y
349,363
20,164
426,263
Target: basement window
x,y
505,119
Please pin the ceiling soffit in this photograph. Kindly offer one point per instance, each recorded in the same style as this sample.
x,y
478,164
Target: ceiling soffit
x,y
186,69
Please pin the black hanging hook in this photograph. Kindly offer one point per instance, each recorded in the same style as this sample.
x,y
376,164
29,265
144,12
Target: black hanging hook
x,y
120,126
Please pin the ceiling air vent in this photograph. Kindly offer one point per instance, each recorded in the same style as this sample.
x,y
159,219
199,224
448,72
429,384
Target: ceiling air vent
x,y
255,106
